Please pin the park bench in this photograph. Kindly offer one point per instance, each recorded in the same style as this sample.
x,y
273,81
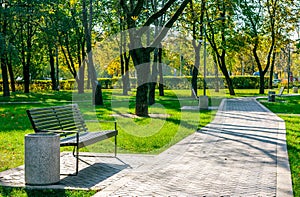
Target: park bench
x,y
280,91
67,121
194,94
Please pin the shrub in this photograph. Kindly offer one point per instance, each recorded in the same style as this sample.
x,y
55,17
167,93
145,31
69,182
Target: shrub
x,y
170,82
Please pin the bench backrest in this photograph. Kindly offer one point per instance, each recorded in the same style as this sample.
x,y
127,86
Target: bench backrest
x,y
66,118
194,94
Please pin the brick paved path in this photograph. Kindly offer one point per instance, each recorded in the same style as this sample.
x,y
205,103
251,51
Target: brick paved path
x,y
241,153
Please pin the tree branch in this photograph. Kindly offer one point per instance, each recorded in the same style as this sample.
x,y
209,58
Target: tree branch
x,y
168,25
138,8
158,14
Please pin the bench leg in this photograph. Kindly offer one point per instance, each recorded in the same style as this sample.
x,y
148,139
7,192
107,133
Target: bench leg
x,y
115,146
77,157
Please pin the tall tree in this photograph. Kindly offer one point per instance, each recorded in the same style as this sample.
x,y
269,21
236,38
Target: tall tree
x,y
71,39
87,24
157,52
141,54
124,55
28,15
218,31
49,28
3,46
263,21
197,11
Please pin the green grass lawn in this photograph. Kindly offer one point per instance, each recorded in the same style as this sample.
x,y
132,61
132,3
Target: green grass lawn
x,y
21,192
136,134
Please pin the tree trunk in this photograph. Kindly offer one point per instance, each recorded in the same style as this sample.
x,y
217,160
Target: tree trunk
x,y
57,67
160,70
52,67
221,57
80,78
197,46
124,59
126,77
3,55
230,84
196,68
262,83
26,65
11,75
272,71
142,66
153,81
5,78
217,82
82,66
87,23
125,92
65,49
261,72
223,68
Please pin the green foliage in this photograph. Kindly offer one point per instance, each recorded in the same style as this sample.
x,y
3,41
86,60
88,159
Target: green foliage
x,y
249,82
50,25
170,82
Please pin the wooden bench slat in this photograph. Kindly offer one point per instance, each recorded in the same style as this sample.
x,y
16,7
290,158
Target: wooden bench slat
x,y
42,116
44,120
47,127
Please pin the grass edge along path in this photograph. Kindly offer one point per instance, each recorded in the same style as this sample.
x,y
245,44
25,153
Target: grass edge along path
x,y
288,108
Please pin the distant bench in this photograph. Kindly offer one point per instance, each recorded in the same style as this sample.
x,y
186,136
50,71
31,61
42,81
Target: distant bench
x,y
69,123
280,91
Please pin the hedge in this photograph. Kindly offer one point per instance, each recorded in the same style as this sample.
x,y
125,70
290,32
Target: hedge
x,y
170,82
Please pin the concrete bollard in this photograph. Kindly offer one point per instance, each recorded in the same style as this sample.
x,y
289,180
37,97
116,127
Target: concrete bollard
x,y
42,159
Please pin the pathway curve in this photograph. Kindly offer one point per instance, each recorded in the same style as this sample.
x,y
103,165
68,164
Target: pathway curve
x,y
241,153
